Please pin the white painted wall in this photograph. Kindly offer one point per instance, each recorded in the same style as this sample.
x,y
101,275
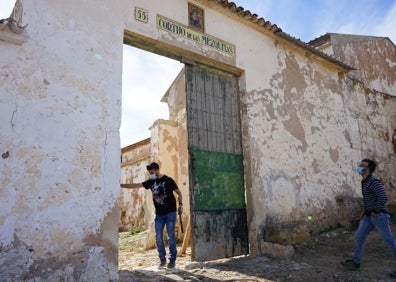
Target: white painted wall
x,y
60,111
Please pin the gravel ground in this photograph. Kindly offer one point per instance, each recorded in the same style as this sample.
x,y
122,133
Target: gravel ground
x,y
317,260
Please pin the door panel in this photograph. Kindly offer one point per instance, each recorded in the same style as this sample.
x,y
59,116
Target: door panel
x,y
218,209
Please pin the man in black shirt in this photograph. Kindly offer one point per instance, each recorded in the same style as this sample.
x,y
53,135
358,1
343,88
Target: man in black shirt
x,y
374,216
162,187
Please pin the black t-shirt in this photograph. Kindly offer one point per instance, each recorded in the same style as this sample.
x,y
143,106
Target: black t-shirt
x,y
163,198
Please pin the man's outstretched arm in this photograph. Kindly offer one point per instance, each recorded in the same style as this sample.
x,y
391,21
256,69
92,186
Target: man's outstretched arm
x,y
131,185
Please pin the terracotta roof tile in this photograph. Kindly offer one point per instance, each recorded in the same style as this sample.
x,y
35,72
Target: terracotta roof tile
x,y
248,15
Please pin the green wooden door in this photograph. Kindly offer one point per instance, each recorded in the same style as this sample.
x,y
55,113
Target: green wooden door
x,y
218,209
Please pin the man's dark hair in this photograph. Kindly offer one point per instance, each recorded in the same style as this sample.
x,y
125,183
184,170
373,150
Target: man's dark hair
x,y
371,164
153,165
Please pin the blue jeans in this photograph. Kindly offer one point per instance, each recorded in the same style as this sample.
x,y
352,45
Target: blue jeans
x,y
169,220
367,224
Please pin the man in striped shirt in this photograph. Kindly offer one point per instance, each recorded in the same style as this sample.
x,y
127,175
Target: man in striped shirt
x,y
374,216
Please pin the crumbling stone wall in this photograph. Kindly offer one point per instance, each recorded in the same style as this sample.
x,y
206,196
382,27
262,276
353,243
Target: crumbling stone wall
x,y
374,59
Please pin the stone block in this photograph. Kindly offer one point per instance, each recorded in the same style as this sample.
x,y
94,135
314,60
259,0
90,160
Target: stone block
x,y
286,233
276,250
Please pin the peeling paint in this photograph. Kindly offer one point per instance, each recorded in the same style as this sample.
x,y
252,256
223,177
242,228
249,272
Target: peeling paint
x,y
304,129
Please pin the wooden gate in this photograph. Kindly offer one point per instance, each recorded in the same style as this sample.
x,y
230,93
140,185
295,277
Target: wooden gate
x,y
218,209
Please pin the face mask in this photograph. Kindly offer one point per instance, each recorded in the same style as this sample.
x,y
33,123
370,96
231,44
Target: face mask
x,y
360,170
153,176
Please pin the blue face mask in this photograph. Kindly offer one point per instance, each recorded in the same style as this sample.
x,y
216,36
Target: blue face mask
x,y
360,170
153,176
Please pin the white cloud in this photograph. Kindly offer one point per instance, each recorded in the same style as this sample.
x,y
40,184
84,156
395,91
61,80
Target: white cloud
x,y
6,7
370,20
145,79
310,19
387,27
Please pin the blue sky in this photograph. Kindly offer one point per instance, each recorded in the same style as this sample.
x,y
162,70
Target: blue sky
x,y
308,19
302,19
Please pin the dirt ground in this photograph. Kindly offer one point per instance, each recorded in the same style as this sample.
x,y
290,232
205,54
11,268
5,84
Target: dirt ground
x,y
317,260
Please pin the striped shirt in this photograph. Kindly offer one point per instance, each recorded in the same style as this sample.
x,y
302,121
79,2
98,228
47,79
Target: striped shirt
x,y
374,195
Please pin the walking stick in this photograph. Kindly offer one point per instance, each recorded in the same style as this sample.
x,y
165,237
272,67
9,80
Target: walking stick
x,y
181,222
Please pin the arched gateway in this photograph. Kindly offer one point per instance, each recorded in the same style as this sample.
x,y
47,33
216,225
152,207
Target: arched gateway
x,y
216,173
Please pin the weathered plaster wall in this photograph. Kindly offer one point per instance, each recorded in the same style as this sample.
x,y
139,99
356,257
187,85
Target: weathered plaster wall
x,y
375,132
134,202
373,57
298,143
169,157
60,111
307,132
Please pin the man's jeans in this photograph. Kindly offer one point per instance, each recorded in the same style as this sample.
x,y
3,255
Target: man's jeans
x,y
169,220
367,224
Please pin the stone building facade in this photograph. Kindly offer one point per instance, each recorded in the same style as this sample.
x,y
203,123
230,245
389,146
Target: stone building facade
x,y
307,118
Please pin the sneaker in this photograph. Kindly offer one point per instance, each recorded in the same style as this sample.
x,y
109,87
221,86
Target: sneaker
x,y
350,264
171,264
162,263
393,275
